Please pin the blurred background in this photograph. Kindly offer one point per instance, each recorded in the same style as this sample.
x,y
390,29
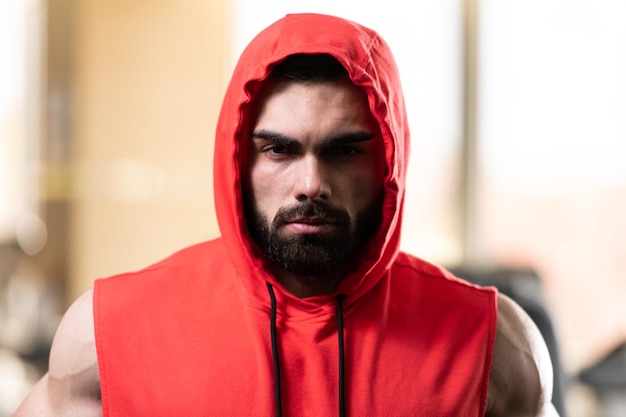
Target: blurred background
x,y
517,178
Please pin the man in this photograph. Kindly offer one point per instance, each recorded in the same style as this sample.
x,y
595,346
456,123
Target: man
x,y
304,306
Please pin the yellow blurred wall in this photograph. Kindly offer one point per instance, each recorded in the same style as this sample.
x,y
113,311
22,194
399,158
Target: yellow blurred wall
x,y
147,81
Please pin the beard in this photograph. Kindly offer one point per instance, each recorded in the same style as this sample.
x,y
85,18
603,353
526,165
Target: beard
x,y
315,253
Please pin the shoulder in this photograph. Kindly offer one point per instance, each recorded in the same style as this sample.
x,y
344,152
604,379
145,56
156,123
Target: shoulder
x,y
521,377
185,285
73,358
409,271
72,384
75,332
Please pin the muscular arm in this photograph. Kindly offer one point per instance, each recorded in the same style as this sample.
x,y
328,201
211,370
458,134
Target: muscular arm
x,y
520,384
72,385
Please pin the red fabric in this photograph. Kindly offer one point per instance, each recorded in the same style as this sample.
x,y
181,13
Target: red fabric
x,y
190,336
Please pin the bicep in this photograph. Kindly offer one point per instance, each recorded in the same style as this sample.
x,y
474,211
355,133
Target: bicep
x,y
72,384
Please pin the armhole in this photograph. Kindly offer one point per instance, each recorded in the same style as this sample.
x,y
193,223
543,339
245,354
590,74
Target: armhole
x,y
492,311
97,322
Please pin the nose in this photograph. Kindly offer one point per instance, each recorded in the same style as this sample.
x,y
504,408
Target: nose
x,y
311,182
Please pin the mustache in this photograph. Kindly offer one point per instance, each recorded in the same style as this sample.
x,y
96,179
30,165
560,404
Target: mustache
x,y
311,209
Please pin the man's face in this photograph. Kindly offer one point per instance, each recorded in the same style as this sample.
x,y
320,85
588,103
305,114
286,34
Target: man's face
x,y
316,168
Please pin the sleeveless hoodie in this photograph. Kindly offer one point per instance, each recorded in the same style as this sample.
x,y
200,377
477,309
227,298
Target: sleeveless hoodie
x,y
210,332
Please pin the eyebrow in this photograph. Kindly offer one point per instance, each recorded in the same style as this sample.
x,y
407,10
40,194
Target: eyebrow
x,y
273,137
341,139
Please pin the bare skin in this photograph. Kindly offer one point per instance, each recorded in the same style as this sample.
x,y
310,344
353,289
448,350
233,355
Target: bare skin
x,y
72,385
521,379
320,161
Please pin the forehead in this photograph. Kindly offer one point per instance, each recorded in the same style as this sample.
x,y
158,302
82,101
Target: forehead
x,y
313,105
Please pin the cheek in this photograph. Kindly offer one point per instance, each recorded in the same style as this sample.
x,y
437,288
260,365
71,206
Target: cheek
x,y
363,188
266,190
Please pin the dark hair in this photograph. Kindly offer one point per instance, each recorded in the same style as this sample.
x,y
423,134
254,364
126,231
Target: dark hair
x,y
308,67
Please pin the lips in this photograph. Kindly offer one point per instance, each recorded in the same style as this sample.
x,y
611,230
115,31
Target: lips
x,y
309,225
311,220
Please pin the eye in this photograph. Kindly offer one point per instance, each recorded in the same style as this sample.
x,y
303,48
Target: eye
x,y
344,150
277,150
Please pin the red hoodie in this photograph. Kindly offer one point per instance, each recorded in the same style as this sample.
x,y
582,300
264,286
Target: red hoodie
x,y
198,334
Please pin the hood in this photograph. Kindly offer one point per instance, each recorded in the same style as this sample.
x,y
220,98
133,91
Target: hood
x,y
371,66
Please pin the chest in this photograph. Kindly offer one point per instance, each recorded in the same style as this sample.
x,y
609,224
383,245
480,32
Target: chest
x,y
397,362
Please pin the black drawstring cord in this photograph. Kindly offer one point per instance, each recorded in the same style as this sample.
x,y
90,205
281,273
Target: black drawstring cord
x,y
279,410
342,404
